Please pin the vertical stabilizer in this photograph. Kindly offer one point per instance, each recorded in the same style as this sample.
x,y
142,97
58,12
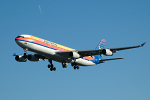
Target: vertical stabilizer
x,y
101,45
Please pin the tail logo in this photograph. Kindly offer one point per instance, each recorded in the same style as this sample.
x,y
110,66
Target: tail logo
x,y
101,44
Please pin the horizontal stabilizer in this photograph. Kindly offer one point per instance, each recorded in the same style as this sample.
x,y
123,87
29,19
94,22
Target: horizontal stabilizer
x,y
101,61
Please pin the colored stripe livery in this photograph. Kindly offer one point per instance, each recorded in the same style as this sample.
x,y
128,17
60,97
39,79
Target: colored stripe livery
x,y
49,44
45,49
45,43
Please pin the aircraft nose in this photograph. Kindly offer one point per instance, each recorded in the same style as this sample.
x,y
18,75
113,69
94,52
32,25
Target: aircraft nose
x,y
16,39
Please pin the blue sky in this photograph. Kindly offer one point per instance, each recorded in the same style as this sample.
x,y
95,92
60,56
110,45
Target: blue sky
x,y
79,24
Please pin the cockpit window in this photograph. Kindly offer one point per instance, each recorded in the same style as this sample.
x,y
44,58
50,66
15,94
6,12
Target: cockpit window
x,y
20,36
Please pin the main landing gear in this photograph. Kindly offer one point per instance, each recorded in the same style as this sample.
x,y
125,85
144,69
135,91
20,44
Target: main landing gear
x,y
51,66
64,65
75,66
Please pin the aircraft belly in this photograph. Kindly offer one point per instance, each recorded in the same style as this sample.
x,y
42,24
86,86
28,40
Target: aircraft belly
x,y
83,62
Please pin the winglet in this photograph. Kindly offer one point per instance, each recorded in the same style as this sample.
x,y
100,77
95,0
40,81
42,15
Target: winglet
x,y
14,54
143,44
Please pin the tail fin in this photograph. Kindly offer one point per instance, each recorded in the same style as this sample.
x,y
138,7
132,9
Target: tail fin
x,y
101,45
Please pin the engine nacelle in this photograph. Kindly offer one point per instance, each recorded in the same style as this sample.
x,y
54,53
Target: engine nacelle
x,y
74,55
107,52
20,58
33,58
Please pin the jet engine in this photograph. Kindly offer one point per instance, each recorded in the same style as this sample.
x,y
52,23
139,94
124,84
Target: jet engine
x,y
74,55
33,57
107,52
21,58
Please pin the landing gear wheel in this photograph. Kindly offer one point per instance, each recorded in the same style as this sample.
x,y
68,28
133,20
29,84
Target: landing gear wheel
x,y
51,69
54,69
25,54
64,65
49,66
75,67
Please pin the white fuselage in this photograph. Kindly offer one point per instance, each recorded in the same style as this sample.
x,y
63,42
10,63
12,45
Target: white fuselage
x,y
51,54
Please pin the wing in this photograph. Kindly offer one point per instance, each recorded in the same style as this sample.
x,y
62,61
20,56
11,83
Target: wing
x,y
39,56
124,48
84,53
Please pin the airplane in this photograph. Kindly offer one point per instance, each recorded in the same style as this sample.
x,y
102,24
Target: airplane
x,y
45,49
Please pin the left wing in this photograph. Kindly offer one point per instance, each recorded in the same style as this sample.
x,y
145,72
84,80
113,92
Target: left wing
x,y
124,48
83,53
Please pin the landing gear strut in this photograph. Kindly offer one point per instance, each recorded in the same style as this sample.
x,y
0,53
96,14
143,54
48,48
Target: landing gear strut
x,y
64,65
51,66
75,66
25,54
